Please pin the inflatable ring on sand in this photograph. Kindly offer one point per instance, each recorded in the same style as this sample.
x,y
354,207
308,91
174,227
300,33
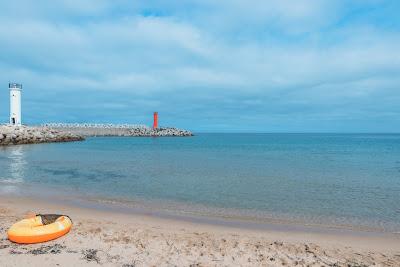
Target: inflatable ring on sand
x,y
40,228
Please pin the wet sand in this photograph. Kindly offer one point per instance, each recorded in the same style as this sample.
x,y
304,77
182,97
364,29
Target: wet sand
x,y
115,238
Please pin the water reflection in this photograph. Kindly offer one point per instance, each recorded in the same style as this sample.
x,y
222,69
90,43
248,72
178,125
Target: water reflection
x,y
17,164
16,161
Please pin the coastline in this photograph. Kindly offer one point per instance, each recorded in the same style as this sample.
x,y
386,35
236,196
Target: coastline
x,y
114,237
175,175
193,212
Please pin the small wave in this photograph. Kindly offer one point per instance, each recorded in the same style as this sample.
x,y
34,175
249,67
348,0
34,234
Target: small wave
x,y
11,180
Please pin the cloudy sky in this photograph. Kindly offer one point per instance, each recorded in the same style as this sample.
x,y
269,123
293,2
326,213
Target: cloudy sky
x,y
206,65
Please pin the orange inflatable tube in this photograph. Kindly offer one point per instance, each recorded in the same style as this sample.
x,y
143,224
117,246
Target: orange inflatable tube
x,y
39,229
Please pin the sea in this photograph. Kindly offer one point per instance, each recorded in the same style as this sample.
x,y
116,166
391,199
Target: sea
x,y
335,180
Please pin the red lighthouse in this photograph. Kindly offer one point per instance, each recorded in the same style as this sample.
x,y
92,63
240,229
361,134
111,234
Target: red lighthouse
x,y
155,121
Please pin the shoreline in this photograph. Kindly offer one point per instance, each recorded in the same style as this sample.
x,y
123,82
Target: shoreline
x,y
192,212
118,229
207,220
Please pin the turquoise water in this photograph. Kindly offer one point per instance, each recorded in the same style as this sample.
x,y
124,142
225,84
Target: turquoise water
x,y
349,179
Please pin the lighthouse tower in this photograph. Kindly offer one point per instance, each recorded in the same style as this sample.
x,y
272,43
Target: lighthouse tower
x,y
15,103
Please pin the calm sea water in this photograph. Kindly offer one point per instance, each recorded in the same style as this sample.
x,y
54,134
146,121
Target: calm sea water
x,y
350,179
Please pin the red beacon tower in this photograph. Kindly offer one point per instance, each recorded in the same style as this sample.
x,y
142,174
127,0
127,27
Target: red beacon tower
x,y
155,121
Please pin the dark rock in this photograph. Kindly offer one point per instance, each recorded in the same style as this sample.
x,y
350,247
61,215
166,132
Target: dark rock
x,y
91,255
52,249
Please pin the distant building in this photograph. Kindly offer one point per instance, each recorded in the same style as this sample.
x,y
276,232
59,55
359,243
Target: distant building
x,y
15,103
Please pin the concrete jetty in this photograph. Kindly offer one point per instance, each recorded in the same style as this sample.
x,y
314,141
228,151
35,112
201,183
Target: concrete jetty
x,y
134,130
20,134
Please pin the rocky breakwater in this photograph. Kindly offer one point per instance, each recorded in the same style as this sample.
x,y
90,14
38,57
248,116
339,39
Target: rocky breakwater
x,y
119,130
16,135
161,132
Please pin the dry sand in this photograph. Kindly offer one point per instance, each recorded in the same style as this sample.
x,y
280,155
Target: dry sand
x,y
116,239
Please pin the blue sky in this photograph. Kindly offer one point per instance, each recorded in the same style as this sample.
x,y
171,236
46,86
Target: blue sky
x,y
206,65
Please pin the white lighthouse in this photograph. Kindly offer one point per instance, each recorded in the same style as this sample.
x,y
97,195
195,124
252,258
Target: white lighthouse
x,y
15,103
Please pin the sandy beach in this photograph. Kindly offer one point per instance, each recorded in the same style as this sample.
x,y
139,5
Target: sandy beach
x,y
110,238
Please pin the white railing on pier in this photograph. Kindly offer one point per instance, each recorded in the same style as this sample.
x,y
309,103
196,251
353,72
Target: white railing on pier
x,y
96,125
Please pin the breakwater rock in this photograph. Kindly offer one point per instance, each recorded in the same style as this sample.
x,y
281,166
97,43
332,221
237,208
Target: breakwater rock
x,y
119,130
15,135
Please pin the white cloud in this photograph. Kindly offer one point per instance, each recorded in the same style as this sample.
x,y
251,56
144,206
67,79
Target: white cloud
x,y
163,53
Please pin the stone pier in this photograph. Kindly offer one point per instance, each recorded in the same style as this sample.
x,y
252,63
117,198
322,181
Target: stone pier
x,y
16,135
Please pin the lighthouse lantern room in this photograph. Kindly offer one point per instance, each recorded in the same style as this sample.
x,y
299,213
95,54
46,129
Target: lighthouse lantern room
x,y
15,103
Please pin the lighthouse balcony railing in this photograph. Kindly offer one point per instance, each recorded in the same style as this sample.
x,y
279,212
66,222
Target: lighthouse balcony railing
x,y
15,86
